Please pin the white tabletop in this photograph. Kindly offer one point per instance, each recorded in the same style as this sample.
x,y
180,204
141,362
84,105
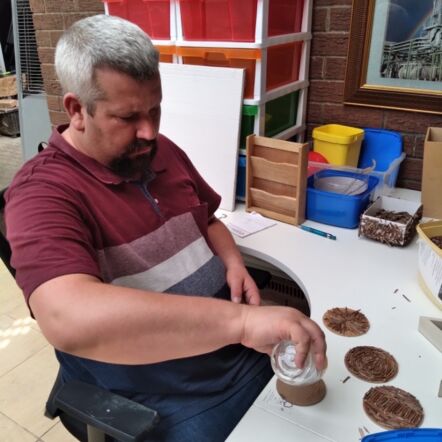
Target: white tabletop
x,y
361,274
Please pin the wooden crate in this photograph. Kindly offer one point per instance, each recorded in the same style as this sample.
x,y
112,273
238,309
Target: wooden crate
x,y
276,178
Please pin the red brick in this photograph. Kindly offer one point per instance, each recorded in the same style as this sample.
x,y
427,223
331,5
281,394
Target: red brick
x,y
326,91
37,5
55,103
46,55
314,112
48,71
419,146
43,38
411,169
61,5
69,19
320,20
330,44
48,21
335,68
317,68
357,116
55,35
409,143
91,5
52,87
340,19
58,118
414,122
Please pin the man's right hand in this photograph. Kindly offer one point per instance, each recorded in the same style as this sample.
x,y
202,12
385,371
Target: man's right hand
x,y
264,327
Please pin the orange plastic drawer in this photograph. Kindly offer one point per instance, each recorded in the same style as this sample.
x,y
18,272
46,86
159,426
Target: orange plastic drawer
x,y
225,57
166,53
153,16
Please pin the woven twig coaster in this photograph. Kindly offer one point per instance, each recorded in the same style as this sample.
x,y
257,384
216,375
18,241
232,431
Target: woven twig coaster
x,y
393,408
346,322
371,364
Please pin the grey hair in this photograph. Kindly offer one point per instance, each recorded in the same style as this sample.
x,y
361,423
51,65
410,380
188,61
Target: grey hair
x,y
102,41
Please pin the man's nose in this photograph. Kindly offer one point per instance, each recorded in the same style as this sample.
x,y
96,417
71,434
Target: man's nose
x,y
147,129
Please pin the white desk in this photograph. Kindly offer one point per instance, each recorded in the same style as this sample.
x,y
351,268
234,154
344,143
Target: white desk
x,y
356,273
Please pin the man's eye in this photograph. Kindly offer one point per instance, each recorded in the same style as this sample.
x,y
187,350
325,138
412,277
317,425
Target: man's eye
x,y
127,117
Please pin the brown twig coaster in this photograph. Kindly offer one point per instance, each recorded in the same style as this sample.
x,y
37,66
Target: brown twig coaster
x,y
393,408
371,364
346,322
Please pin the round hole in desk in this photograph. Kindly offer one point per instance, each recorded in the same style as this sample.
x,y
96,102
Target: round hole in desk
x,y
281,289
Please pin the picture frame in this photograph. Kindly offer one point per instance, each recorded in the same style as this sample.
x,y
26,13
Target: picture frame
x,y
391,70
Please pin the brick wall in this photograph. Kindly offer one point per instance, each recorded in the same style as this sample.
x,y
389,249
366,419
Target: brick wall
x,y
331,25
51,17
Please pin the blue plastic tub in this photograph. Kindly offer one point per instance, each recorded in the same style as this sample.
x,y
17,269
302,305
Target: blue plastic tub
x,y
334,208
409,435
383,146
241,179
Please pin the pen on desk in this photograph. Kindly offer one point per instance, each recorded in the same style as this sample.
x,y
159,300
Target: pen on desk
x,y
318,232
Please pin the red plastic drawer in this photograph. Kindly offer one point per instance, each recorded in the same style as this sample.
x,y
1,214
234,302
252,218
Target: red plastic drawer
x,y
153,16
218,20
283,64
285,16
225,57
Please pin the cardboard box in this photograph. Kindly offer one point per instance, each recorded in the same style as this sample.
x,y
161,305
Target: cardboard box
x,y
393,233
8,103
431,174
430,261
8,86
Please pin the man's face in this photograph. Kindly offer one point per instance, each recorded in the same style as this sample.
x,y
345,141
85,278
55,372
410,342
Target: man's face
x,y
121,133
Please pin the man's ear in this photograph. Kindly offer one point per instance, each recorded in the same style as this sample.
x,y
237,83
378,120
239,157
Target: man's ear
x,y
75,110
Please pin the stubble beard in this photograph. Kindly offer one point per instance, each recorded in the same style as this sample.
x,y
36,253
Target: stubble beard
x,y
138,167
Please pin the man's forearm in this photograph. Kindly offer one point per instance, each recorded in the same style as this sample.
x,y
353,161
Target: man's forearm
x,y
83,316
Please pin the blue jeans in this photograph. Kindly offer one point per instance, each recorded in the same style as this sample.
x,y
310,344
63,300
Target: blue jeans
x,y
216,423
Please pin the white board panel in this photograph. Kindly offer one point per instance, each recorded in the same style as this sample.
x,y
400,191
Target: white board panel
x,y
201,113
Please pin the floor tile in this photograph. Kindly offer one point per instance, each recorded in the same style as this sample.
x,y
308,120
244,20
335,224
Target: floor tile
x,y
18,342
12,432
24,390
58,434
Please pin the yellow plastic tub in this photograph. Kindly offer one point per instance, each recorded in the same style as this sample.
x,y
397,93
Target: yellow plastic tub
x,y
339,144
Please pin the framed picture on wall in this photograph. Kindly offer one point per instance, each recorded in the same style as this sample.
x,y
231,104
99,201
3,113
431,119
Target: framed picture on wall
x,y
395,55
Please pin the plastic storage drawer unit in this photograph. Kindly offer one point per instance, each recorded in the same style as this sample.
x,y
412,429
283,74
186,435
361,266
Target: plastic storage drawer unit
x,y
279,114
334,208
235,20
153,16
282,66
339,144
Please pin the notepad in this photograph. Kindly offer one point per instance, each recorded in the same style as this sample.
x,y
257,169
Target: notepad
x,y
246,224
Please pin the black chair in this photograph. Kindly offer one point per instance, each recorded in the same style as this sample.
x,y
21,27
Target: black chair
x,y
88,412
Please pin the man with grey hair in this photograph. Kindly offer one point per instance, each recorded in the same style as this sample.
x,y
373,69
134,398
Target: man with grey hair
x,y
131,277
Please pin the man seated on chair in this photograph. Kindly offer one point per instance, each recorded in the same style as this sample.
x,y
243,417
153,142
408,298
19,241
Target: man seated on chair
x,y
131,277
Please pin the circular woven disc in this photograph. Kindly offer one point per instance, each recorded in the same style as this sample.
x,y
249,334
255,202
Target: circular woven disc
x,y
346,322
371,364
393,408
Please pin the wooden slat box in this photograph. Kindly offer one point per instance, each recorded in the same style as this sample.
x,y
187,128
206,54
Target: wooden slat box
x,y
276,178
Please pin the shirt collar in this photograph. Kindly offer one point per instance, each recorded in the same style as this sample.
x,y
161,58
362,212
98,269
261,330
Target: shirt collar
x,y
98,170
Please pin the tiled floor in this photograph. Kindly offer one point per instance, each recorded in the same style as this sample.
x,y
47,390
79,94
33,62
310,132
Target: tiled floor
x,y
27,372
11,158
27,362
